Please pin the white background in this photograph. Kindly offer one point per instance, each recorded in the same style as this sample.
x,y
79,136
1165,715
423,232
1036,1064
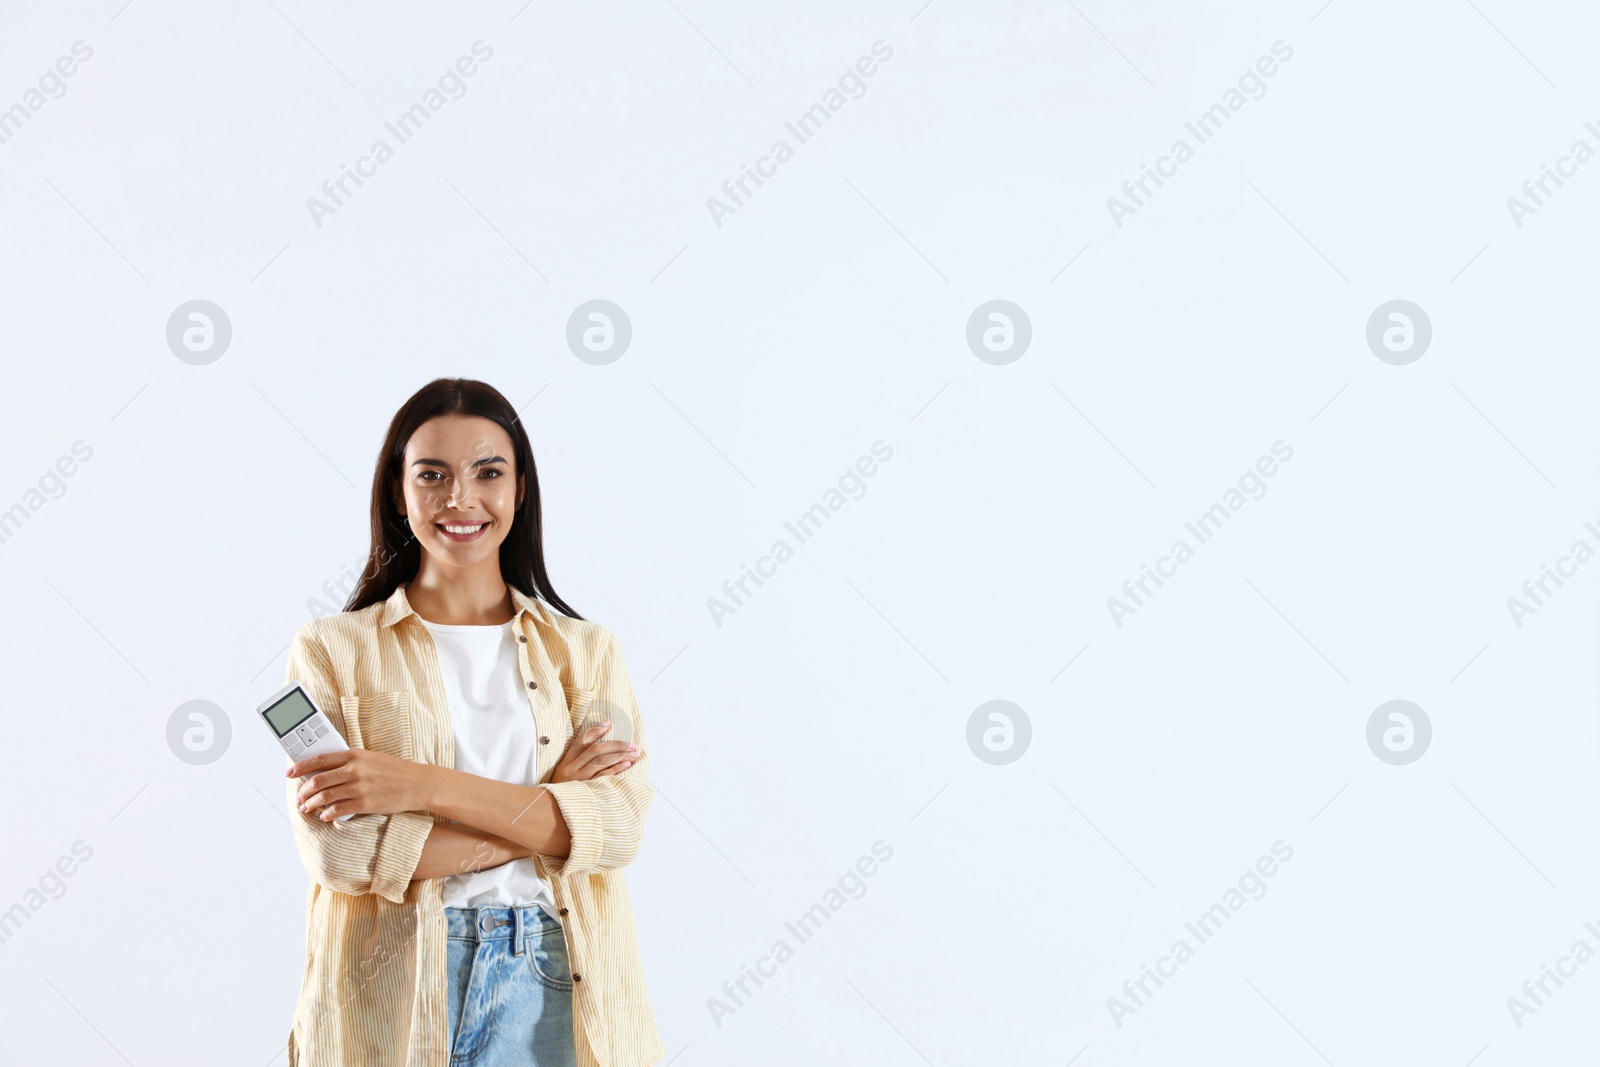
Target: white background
x,y
769,353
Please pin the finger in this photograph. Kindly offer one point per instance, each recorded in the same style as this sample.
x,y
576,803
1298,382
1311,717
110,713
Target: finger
x,y
325,797
581,748
333,811
607,765
309,765
612,753
321,762
312,802
323,779
590,736
602,751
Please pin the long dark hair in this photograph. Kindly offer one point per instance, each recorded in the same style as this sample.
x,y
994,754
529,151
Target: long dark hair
x,y
395,554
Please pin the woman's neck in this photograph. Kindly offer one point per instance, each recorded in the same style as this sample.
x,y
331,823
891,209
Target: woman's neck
x,y
475,597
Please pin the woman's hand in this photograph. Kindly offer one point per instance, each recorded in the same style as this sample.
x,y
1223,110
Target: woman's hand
x,y
358,782
589,757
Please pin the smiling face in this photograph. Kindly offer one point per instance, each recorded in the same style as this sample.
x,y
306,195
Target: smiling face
x,y
459,489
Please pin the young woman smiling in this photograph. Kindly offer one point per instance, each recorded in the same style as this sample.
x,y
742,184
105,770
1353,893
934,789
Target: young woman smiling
x,y
474,910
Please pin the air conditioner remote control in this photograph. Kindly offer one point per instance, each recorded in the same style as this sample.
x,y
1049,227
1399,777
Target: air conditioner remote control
x,y
300,726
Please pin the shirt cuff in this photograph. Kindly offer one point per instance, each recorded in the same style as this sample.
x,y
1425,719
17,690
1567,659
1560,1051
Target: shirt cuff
x,y
399,852
580,809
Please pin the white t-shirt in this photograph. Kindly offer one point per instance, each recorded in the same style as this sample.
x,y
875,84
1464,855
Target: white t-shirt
x,y
495,738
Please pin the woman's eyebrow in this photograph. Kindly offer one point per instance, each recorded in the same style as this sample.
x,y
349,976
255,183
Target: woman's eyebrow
x,y
442,463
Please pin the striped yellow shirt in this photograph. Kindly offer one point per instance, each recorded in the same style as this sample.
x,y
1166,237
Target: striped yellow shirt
x,y
373,992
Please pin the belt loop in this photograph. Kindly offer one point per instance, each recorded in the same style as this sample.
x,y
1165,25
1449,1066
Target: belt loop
x,y
519,918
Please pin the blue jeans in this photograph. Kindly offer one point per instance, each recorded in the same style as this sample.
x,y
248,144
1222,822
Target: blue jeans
x,y
510,988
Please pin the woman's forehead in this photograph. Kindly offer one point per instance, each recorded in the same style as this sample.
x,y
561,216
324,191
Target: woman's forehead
x,y
456,437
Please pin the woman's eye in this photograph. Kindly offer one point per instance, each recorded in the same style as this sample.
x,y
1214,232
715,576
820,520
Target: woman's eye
x,y
491,472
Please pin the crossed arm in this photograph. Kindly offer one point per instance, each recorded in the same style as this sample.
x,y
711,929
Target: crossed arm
x,y
455,849
586,818
494,822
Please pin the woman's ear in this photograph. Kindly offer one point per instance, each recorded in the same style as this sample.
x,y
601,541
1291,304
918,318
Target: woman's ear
x,y
398,496
522,486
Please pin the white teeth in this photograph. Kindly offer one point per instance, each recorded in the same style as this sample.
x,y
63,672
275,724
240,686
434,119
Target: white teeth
x,y
465,529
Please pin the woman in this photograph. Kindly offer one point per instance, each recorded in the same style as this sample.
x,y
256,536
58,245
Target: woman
x,y
474,909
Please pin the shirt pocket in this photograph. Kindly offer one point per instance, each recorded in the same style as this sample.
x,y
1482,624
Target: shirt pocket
x,y
587,710
380,722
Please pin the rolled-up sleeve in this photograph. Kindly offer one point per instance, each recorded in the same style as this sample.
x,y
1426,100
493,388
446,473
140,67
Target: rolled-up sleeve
x,y
369,853
605,816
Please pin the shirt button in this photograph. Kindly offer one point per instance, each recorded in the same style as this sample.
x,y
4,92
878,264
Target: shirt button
x,y
546,741
533,685
577,978
523,639
563,911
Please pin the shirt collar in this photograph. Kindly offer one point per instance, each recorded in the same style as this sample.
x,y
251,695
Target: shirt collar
x,y
398,607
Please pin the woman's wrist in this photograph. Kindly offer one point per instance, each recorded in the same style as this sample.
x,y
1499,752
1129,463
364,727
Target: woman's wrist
x,y
425,787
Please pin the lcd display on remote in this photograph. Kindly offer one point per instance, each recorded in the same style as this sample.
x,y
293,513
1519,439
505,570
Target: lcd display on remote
x,y
290,712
